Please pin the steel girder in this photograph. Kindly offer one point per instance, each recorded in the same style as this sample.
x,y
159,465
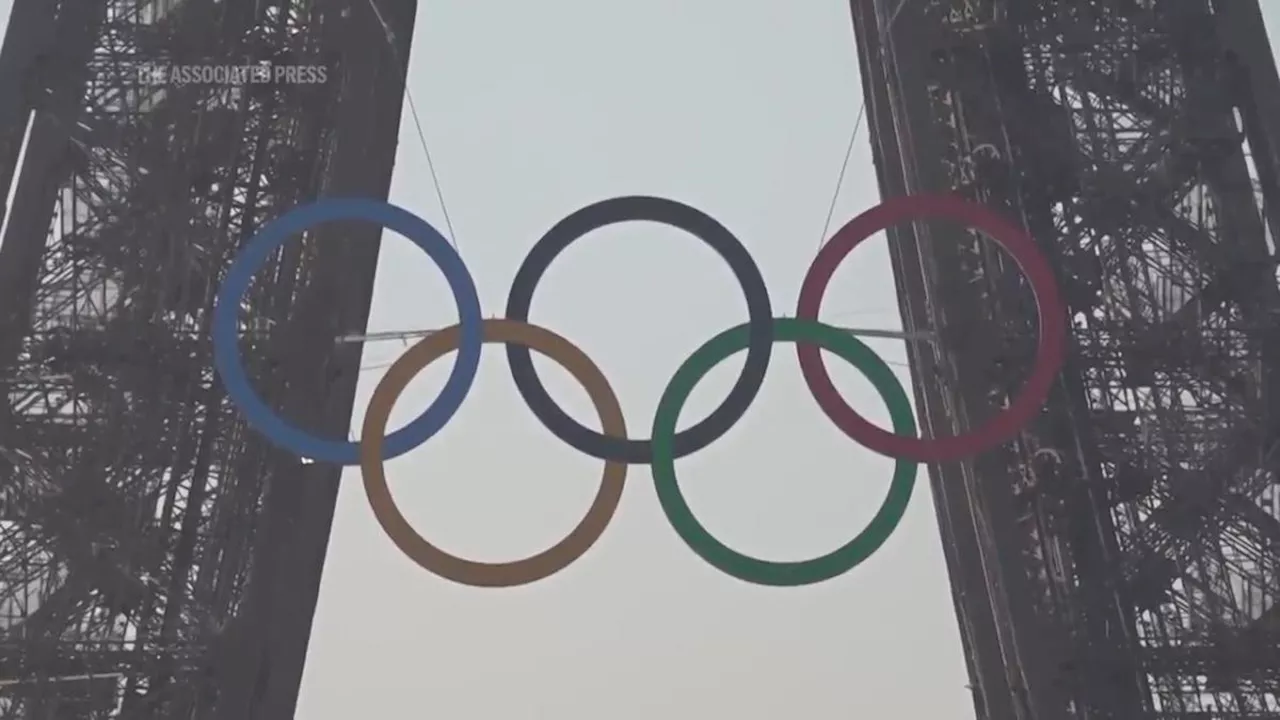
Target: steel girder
x,y
157,558
1121,559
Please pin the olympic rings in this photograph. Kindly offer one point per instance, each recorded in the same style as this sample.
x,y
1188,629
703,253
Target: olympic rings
x,y
226,354
732,562
701,226
437,561
1049,355
612,445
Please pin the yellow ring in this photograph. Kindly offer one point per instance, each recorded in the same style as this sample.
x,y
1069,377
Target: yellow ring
x,y
432,558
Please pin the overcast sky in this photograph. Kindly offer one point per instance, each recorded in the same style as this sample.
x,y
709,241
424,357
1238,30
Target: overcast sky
x,y
742,108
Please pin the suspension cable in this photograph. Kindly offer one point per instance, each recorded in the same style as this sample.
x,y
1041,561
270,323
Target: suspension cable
x,y
417,121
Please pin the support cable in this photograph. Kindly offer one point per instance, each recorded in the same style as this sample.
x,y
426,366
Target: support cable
x,y
844,169
417,121
848,151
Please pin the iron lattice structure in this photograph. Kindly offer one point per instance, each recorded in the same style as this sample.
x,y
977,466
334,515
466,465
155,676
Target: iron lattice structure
x,y
158,559
1121,559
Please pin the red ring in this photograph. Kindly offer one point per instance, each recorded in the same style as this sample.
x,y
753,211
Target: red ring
x,y
1049,354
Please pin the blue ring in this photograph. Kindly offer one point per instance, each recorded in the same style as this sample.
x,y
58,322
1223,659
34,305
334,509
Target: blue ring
x,y
226,352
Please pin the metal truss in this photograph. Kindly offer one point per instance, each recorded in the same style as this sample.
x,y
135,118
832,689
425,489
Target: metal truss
x,y
157,558
1122,558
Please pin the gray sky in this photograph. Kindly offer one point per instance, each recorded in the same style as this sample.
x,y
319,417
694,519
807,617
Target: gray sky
x,y
742,108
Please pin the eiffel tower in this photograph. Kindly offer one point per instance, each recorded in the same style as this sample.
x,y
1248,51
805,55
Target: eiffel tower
x,y
1121,559
1118,560
158,559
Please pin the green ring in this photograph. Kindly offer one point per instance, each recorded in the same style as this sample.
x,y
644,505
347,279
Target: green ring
x,y
745,567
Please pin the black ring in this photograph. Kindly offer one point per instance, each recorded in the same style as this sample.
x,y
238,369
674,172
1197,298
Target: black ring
x,y
701,226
